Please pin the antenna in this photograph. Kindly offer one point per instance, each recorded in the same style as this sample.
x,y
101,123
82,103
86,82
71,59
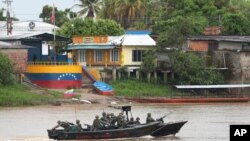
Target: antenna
x,y
8,16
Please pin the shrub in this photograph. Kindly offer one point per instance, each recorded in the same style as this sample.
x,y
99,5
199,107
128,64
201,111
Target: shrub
x,y
6,71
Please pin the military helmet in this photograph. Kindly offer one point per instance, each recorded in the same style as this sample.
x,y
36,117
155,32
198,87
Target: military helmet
x,y
58,121
104,114
77,121
137,118
149,114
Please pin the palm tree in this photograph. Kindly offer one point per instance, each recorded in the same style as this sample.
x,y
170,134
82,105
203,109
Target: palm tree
x,y
128,10
89,7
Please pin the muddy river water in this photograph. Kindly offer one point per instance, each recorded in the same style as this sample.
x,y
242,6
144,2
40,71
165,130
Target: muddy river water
x,y
206,122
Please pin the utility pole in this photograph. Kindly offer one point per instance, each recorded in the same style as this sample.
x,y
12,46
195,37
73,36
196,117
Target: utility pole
x,y
8,16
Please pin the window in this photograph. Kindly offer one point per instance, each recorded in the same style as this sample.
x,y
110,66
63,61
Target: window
x,y
82,55
114,55
137,55
98,56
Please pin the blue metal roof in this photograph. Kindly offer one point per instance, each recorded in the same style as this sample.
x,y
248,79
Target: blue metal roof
x,y
136,32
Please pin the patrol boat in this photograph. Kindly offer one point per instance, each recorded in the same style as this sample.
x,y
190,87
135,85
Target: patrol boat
x,y
157,129
132,131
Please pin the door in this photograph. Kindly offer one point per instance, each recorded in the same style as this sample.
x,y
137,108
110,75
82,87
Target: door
x,y
82,57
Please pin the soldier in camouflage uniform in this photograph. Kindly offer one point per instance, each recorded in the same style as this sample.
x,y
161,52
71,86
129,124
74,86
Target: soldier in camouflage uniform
x,y
149,118
63,124
97,125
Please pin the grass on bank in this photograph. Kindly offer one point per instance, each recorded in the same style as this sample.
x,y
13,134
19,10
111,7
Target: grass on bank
x,y
19,95
134,88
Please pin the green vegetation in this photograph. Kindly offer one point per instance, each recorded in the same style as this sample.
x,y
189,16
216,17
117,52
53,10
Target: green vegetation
x,y
89,27
189,69
6,71
133,88
18,95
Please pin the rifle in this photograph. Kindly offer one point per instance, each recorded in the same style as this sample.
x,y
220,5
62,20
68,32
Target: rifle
x,y
161,118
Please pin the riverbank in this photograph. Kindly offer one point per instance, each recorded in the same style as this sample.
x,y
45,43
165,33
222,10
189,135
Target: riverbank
x,y
20,95
135,88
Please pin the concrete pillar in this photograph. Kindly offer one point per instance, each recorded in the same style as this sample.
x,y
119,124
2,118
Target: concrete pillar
x,y
155,76
148,76
119,75
114,73
128,74
137,74
165,77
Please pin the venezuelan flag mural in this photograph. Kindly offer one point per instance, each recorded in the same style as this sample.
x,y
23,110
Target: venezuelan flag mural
x,y
55,76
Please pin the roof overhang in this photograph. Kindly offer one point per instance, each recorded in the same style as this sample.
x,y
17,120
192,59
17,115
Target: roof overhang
x,y
77,47
5,45
244,39
34,36
212,86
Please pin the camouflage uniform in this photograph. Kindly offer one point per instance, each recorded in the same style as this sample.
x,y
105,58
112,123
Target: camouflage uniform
x,y
97,123
137,121
149,118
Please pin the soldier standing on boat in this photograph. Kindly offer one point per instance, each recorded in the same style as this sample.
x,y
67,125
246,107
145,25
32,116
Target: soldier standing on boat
x,y
79,126
113,119
104,117
149,118
137,121
97,123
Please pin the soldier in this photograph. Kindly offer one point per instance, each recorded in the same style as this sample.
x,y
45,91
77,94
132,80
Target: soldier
x,y
113,119
149,118
119,120
104,117
131,121
76,127
97,123
79,126
62,124
137,121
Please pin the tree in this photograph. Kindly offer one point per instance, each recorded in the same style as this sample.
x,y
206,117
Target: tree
x,y
6,71
189,69
124,11
60,16
90,7
149,61
89,27
235,24
174,32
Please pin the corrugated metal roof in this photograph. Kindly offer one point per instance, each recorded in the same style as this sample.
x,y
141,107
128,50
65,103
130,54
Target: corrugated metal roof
x,y
245,39
48,36
212,86
113,41
138,40
23,27
4,45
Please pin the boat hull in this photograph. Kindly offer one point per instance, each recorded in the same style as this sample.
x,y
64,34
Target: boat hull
x,y
103,88
166,129
136,131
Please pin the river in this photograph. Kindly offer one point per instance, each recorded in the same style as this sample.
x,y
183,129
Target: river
x,y
206,122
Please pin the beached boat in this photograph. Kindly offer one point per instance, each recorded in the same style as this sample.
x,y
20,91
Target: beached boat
x,y
132,131
103,88
166,129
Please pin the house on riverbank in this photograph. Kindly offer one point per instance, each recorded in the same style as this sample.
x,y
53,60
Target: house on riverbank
x,y
109,51
230,54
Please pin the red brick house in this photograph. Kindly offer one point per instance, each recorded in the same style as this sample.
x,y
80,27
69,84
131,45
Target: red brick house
x,y
18,55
